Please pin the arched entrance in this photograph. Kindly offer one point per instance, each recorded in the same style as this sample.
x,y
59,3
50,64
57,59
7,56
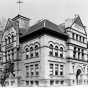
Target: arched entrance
x,y
77,75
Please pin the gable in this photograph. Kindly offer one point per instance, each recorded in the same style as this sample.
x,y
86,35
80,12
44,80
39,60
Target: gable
x,y
9,29
78,28
78,25
78,21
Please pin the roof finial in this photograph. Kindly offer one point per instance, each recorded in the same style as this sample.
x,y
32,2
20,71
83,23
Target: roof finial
x,y
76,15
19,2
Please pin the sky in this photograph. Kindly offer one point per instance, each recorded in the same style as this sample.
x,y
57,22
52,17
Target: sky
x,y
55,10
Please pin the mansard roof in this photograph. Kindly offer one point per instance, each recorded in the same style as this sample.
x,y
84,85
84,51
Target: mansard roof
x,y
45,25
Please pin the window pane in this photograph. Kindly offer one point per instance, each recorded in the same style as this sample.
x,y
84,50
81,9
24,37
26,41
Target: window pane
x,y
51,46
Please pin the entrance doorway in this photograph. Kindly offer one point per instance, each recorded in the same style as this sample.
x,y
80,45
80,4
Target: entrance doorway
x,y
78,76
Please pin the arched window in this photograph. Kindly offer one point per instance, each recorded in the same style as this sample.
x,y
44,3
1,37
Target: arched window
x,y
5,41
31,52
51,46
12,38
61,52
56,51
56,47
27,50
31,48
36,51
51,50
9,40
36,47
61,49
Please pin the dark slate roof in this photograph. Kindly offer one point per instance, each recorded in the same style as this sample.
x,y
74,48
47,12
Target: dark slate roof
x,y
45,24
62,27
20,16
78,21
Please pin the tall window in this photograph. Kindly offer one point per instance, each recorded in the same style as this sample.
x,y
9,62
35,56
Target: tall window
x,y
78,53
82,54
31,82
83,39
27,54
9,40
9,55
27,71
27,74
6,41
31,70
36,51
12,53
56,51
87,69
80,38
76,36
12,38
6,56
31,52
73,35
56,69
74,53
37,82
27,50
36,69
51,50
0,59
0,47
51,69
27,68
27,83
51,82
61,52
61,70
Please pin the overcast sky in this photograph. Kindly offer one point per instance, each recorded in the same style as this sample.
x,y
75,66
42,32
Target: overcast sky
x,y
54,10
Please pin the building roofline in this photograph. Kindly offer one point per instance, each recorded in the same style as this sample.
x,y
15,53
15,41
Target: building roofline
x,y
44,24
20,16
